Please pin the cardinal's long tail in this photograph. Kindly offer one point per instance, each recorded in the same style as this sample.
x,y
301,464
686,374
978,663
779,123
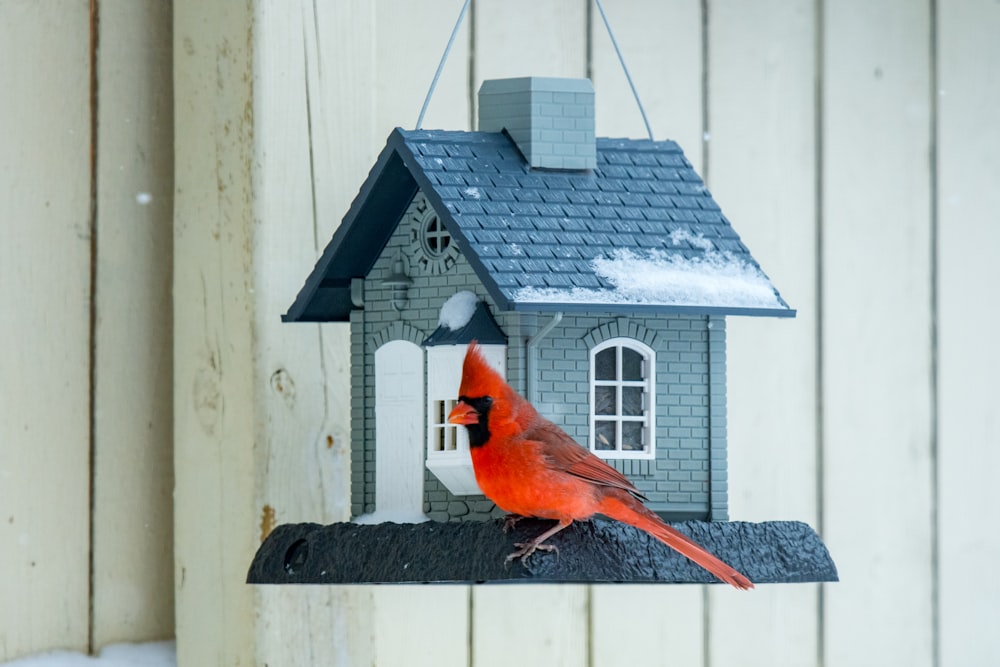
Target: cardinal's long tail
x,y
628,510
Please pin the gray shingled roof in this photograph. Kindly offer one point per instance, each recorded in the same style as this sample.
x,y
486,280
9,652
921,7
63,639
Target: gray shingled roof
x,y
553,240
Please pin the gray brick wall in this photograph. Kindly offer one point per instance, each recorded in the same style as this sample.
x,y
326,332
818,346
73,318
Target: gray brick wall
x,y
718,470
688,477
678,481
378,323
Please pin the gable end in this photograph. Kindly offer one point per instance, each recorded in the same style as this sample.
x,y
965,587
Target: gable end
x,y
363,233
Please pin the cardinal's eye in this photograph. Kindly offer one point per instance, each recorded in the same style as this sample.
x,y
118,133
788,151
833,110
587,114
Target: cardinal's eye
x,y
480,404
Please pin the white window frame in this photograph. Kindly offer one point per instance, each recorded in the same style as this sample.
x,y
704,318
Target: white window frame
x,y
452,465
648,383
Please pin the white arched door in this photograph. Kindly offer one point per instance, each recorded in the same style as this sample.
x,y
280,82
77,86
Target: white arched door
x,y
399,428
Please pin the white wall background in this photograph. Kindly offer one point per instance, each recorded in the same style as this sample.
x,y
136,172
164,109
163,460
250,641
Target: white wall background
x,y
854,144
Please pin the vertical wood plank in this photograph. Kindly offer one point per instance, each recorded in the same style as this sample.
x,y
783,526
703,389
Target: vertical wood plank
x,y
968,357
524,38
633,625
45,299
133,433
340,55
419,626
409,44
762,171
535,626
322,115
302,459
662,46
876,331
216,526
322,625
666,622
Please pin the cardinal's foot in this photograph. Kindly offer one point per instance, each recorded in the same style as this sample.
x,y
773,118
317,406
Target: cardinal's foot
x,y
527,548
509,521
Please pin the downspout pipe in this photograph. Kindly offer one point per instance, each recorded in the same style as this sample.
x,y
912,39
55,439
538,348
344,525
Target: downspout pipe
x,y
531,358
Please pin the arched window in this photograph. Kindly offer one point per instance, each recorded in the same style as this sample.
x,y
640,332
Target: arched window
x,y
621,399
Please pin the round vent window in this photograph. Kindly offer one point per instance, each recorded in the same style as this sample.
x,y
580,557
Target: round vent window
x,y
435,237
432,250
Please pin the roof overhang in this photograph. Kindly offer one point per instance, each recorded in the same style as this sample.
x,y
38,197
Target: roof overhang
x,y
646,309
326,294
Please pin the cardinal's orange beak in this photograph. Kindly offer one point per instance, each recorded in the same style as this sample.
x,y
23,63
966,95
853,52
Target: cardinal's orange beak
x,y
463,413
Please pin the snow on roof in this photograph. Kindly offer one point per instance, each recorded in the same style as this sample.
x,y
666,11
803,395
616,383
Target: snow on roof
x,y
458,310
654,277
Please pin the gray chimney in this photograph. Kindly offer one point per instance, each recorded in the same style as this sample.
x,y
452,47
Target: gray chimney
x,y
550,119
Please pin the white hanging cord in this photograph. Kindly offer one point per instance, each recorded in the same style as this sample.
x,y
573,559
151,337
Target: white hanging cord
x,y
628,76
444,57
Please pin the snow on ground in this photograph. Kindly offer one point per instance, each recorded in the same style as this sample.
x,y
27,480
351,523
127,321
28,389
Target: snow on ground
x,y
151,654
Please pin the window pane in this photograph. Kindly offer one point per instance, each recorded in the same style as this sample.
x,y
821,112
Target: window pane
x,y
604,364
605,401
604,438
632,436
632,401
631,364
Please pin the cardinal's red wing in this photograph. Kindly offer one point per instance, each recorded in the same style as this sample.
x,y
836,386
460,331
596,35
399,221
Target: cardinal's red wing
x,y
563,453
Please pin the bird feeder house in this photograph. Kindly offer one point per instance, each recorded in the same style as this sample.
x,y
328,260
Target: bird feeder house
x,y
597,275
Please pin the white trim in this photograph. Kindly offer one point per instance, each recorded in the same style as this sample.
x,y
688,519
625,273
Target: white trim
x,y
648,384
399,401
452,464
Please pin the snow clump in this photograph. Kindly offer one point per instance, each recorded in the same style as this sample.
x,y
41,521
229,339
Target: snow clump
x,y
458,310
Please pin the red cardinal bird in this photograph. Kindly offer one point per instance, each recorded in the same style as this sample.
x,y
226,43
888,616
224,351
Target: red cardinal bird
x,y
530,467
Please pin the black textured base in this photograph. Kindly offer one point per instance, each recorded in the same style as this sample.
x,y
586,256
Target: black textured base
x,y
591,551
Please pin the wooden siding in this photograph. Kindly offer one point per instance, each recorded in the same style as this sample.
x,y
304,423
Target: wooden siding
x,y
853,145
45,304
86,211
133,480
